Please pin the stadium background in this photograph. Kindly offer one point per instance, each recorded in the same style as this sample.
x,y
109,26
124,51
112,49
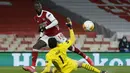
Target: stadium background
x,y
18,31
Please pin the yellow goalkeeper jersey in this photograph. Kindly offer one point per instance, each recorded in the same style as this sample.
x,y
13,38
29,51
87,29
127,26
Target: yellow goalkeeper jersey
x,y
58,55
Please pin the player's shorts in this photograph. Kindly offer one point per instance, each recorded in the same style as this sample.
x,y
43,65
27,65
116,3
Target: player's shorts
x,y
59,37
71,66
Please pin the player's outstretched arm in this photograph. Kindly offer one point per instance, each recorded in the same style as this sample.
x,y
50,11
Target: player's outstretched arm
x,y
72,35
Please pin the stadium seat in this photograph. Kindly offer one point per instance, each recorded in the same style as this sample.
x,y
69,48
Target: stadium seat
x,y
106,39
3,49
29,49
104,49
28,39
87,45
85,49
13,47
95,48
105,45
113,49
99,36
2,40
114,44
16,42
91,34
89,39
98,40
22,47
5,45
26,42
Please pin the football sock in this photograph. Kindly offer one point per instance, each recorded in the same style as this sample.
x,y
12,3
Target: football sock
x,y
76,50
89,60
90,68
34,58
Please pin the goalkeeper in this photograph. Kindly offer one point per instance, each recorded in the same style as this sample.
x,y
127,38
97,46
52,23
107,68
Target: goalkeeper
x,y
58,56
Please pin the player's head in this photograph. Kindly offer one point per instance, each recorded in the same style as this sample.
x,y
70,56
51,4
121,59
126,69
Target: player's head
x,y
124,38
52,42
38,7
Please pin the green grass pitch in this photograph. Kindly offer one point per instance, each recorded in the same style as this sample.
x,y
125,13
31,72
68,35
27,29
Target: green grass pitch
x,y
110,69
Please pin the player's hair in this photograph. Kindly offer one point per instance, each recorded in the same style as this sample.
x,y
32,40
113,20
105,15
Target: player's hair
x,y
37,2
52,42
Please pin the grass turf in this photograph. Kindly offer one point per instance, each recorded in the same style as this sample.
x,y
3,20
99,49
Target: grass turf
x,y
114,69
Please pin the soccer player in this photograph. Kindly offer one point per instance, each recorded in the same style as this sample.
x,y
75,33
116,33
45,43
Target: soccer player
x,y
58,57
48,25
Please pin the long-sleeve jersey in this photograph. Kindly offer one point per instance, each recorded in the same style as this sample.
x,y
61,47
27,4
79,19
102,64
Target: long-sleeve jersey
x,y
58,55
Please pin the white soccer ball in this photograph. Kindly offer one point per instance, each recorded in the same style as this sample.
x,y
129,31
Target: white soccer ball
x,y
88,25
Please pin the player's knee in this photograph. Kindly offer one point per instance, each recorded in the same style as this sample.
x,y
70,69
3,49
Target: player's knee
x,y
39,45
80,64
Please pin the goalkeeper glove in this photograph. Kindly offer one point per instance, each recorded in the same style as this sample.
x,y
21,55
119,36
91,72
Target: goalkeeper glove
x,y
69,23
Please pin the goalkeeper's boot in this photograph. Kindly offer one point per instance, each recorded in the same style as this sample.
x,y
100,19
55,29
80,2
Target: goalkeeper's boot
x,y
30,69
103,72
89,60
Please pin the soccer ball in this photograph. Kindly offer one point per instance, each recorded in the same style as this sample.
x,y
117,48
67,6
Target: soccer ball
x,y
88,25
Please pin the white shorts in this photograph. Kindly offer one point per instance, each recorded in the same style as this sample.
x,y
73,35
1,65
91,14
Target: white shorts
x,y
59,37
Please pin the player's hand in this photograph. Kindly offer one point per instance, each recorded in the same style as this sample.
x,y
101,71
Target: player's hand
x,y
42,29
69,23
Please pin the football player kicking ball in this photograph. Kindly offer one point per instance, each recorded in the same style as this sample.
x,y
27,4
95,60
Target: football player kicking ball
x,y
48,28
58,57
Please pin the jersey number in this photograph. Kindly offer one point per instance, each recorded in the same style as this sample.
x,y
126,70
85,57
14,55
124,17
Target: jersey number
x,y
61,59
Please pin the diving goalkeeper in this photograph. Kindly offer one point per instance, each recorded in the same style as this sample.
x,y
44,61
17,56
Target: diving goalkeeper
x,y
58,56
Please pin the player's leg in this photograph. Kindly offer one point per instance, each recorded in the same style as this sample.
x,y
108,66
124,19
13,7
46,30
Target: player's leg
x,y
89,67
36,48
40,43
54,70
76,50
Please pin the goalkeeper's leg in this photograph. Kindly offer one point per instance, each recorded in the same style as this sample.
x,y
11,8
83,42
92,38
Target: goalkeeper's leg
x,y
89,67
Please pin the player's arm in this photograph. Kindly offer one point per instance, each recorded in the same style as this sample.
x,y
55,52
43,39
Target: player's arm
x,y
47,68
72,39
41,33
53,20
40,30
